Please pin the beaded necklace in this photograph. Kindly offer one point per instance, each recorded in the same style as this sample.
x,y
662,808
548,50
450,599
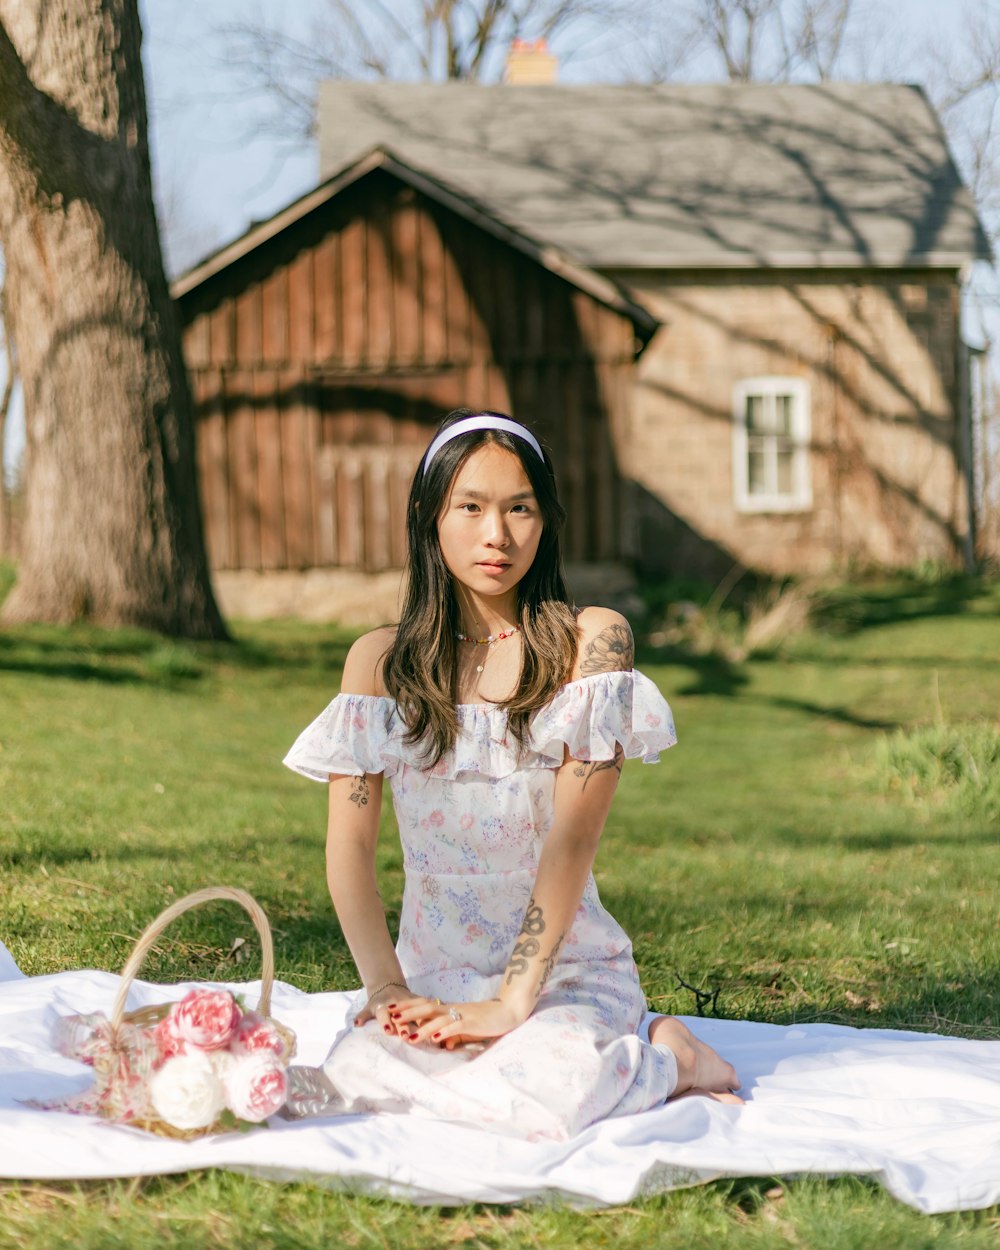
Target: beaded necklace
x,y
479,642
487,642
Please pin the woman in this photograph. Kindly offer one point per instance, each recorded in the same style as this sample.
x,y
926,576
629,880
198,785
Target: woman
x,y
502,717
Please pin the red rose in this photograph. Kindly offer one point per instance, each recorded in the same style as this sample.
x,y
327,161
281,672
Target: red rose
x,y
206,1018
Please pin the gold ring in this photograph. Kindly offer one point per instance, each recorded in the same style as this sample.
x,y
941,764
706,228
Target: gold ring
x,y
439,1002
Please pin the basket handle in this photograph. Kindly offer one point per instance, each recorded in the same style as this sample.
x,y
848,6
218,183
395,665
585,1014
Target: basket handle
x,y
156,927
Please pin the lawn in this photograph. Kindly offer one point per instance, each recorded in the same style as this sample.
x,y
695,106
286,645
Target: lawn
x,y
789,853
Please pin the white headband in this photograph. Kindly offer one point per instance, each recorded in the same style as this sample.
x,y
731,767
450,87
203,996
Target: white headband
x,y
482,421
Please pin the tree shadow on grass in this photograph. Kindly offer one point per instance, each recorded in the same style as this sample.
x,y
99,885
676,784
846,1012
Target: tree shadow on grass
x,y
129,657
857,606
710,674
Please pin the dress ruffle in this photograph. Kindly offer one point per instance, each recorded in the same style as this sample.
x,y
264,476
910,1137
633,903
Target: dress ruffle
x,y
591,716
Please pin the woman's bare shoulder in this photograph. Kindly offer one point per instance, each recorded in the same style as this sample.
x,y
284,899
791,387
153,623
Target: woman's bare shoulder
x,y
363,666
606,644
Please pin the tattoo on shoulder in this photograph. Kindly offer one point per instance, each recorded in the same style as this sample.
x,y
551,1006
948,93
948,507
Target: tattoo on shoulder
x,y
359,790
587,769
611,651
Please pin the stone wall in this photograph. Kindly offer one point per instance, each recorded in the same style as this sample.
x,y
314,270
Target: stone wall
x,y
880,354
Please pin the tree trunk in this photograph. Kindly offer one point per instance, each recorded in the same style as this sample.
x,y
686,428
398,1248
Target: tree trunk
x,y
112,528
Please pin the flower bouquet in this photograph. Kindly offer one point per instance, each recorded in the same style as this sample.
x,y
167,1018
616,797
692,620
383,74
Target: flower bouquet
x,y
201,1065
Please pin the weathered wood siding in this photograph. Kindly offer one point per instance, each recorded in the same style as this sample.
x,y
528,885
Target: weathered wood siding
x,y
321,360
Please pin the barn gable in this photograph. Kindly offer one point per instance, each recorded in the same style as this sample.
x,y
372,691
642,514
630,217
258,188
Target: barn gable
x,y
324,344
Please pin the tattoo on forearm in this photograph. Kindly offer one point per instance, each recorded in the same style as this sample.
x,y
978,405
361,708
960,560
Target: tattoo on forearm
x,y
586,769
359,790
610,652
528,946
548,965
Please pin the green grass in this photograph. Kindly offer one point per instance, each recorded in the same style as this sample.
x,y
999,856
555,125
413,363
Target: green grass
x,y
771,856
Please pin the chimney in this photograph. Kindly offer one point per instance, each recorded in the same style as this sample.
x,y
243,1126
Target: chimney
x,y
530,64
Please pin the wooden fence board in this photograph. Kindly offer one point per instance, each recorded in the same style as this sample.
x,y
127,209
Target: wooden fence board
x,y
274,317
248,326
244,506
406,308
221,336
378,289
353,347
298,473
269,470
301,338
213,468
325,280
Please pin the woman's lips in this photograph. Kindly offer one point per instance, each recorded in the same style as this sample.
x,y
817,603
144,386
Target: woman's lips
x,y
493,566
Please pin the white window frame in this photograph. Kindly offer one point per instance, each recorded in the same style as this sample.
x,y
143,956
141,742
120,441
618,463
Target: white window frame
x,y
799,498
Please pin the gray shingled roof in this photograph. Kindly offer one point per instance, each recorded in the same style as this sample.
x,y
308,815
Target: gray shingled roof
x,y
668,176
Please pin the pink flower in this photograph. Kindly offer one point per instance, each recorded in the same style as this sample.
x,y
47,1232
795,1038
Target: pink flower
x,y
468,820
206,1018
168,1041
255,1033
256,1086
436,818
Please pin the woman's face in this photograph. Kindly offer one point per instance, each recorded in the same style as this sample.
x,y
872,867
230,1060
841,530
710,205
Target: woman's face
x,y
490,526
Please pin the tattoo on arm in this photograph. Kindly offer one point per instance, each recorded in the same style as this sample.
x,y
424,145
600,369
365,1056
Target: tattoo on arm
x,y
359,790
549,964
610,652
528,946
586,769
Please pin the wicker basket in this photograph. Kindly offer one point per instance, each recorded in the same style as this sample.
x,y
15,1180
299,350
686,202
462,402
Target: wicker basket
x,y
121,1049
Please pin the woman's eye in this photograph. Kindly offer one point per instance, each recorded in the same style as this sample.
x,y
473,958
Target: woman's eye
x,y
521,508
471,507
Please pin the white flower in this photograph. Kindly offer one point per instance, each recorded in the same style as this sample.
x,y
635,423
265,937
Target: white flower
x,y
186,1092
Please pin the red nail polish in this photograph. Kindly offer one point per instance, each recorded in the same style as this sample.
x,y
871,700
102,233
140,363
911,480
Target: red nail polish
x,y
391,1005
435,1036
387,1029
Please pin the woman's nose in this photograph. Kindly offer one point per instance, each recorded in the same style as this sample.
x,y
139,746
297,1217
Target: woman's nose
x,y
496,530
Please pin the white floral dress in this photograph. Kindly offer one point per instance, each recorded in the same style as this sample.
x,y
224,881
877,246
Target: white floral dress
x,y
472,829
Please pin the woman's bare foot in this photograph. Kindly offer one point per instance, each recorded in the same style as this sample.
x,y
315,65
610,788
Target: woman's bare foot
x,y
700,1069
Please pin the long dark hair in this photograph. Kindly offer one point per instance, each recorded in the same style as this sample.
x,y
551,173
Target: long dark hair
x,y
420,668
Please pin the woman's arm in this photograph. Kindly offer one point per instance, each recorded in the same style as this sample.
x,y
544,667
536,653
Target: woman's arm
x,y
584,791
355,805
583,796
351,838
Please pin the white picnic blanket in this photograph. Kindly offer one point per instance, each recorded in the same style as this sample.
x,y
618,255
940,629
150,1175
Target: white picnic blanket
x,y
919,1112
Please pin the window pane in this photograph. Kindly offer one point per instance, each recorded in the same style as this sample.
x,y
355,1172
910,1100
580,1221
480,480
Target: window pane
x,y
785,475
783,413
756,472
755,413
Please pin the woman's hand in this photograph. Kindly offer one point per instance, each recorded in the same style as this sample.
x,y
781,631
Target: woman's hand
x,y
453,1024
379,1005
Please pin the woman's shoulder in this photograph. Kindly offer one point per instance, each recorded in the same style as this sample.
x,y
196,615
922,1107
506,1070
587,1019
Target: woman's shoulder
x,y
605,643
363,666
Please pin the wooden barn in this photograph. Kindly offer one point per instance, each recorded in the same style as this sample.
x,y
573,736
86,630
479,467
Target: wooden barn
x,y
806,405
734,312
325,343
